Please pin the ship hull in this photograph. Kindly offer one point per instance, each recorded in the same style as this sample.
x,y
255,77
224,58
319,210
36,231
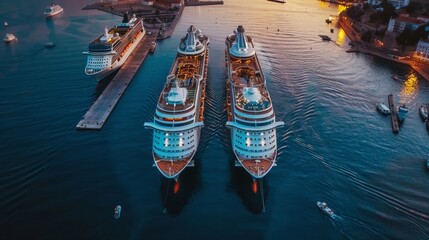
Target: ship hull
x,y
172,169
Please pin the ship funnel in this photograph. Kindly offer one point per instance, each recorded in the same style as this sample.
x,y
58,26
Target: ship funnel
x,y
126,18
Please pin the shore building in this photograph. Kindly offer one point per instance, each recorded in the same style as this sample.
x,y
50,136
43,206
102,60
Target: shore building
x,y
422,50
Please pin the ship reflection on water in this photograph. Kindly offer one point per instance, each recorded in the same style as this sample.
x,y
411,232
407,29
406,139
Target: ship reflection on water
x,y
253,193
175,195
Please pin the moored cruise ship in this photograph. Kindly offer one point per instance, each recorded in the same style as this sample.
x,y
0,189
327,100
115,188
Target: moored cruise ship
x,y
251,117
108,52
179,112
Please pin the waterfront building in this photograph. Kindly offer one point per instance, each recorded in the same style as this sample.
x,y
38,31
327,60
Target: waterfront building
x,y
148,2
169,4
422,50
374,2
402,22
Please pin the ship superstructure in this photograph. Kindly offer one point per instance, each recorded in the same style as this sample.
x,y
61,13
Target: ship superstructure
x,y
251,117
108,52
179,113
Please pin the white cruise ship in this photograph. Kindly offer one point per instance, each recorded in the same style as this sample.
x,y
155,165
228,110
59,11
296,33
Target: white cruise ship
x,y
52,10
251,117
179,112
108,52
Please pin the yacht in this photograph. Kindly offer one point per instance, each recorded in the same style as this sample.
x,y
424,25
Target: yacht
x,y
179,113
9,37
325,37
251,117
382,108
108,52
324,207
52,10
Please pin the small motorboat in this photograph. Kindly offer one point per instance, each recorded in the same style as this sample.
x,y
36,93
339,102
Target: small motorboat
x,y
117,212
152,47
325,37
9,37
423,112
402,112
382,108
324,207
397,77
50,44
5,24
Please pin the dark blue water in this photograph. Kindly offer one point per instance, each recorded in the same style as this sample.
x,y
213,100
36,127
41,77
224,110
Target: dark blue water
x,y
60,183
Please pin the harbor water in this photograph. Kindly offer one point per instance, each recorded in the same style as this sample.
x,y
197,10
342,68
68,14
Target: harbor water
x,y
60,183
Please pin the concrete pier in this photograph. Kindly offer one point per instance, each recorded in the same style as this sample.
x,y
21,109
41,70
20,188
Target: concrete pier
x,y
103,106
394,118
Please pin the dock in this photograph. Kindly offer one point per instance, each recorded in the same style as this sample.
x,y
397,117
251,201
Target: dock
x,y
96,116
393,116
191,3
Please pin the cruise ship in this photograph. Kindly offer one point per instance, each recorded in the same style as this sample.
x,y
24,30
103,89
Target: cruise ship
x,y
108,52
179,113
52,10
251,117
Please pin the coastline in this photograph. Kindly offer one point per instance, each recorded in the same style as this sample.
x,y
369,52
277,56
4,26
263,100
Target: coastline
x,y
362,47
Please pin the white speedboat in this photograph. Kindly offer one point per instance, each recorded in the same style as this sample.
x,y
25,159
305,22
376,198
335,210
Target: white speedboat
x,y
9,37
52,10
423,111
117,212
324,207
382,108
5,24
50,44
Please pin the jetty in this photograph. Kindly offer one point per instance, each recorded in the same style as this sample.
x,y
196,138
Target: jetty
x,y
393,116
97,115
191,3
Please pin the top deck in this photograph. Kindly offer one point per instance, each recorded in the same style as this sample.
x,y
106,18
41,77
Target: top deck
x,y
185,75
111,38
247,80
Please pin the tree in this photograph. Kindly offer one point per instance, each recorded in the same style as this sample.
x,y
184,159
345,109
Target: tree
x,y
388,12
407,37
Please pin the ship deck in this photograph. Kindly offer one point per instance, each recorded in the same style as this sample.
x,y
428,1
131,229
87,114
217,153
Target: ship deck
x,y
187,72
171,168
246,73
259,167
